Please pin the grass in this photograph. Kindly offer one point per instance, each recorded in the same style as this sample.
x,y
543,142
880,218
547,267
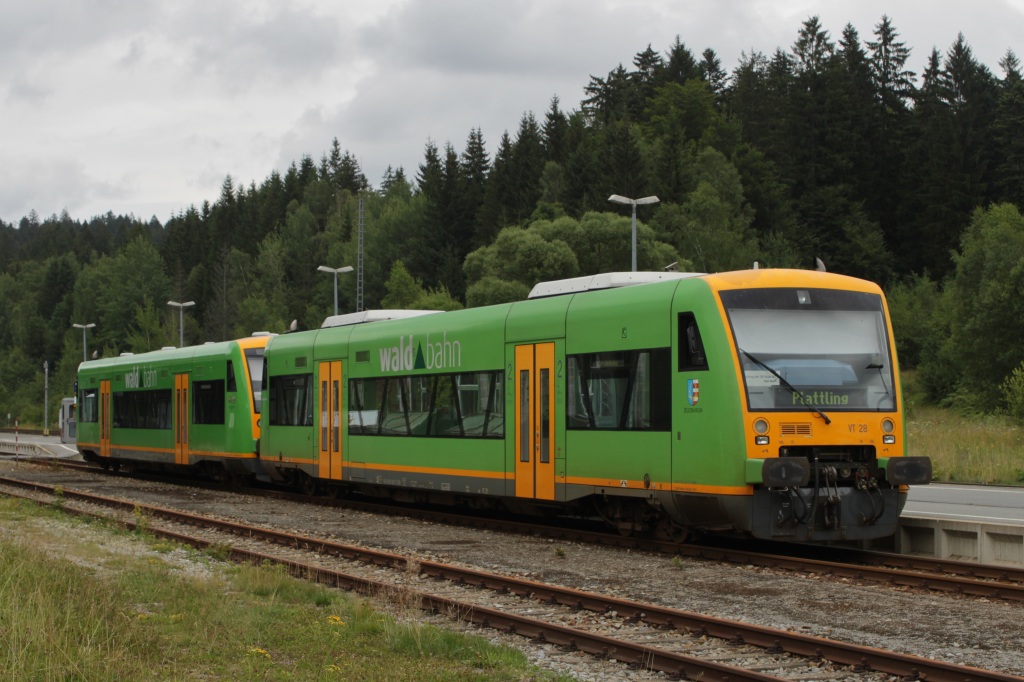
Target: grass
x,y
964,448
977,449
81,601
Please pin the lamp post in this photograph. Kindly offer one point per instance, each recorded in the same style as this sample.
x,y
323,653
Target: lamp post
x,y
346,268
181,319
619,199
46,397
83,327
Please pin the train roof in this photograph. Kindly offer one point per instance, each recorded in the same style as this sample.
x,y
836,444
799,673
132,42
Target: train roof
x,y
172,353
784,277
605,280
372,316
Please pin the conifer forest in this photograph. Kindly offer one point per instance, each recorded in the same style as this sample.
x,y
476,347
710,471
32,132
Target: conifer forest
x,y
885,163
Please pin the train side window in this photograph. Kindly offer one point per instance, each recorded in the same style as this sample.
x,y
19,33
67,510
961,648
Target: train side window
x,y
291,400
257,391
444,409
479,406
89,401
394,418
142,409
364,405
620,390
208,402
231,387
435,405
691,346
256,365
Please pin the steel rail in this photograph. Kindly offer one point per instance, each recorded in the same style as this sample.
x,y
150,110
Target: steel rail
x,y
941,575
930,574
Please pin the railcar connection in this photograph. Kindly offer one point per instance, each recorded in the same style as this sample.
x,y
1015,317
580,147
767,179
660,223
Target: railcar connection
x,y
763,403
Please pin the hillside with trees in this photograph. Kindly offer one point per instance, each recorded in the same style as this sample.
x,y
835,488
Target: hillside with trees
x,y
833,148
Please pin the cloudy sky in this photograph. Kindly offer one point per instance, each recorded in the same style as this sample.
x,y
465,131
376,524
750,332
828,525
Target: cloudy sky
x,y
143,107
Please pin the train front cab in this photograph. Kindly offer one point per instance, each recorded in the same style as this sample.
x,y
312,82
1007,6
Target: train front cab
x,y
812,366
222,398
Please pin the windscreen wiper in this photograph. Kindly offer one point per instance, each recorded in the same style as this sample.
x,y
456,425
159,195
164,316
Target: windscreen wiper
x,y
793,389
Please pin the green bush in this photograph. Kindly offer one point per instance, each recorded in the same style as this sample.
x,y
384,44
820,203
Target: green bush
x,y
1012,391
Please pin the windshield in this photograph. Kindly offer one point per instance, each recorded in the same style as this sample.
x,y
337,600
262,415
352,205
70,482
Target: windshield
x,y
830,347
254,359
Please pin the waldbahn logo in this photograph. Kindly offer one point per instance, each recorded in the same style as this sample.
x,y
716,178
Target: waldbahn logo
x,y
131,378
693,390
412,354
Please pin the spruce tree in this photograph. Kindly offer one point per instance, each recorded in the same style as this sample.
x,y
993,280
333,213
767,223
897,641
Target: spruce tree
x,y
928,229
713,74
527,164
334,161
474,166
645,79
894,83
624,164
971,95
494,214
852,140
680,65
609,99
1008,132
894,87
554,133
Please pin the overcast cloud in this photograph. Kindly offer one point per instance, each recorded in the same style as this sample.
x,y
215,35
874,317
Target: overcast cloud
x,y
143,108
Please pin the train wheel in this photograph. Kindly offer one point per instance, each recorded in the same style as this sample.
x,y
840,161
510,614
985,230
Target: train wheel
x,y
630,517
310,486
669,531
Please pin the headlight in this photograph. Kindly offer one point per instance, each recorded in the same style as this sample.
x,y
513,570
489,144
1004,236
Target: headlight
x,y
761,429
887,425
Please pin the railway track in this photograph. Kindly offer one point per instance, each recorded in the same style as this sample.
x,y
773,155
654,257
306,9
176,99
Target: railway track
x,y
922,573
672,641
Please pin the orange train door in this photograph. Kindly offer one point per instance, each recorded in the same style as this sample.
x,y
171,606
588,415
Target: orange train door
x,y
535,421
104,418
181,419
330,420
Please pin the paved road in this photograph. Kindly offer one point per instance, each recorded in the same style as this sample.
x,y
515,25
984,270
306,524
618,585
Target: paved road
x,y
969,503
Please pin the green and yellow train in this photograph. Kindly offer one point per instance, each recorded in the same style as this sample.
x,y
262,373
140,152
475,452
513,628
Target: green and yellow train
x,y
191,407
762,402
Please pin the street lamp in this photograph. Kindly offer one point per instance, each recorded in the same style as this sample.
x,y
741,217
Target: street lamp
x,y
346,268
83,327
181,319
46,397
619,199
